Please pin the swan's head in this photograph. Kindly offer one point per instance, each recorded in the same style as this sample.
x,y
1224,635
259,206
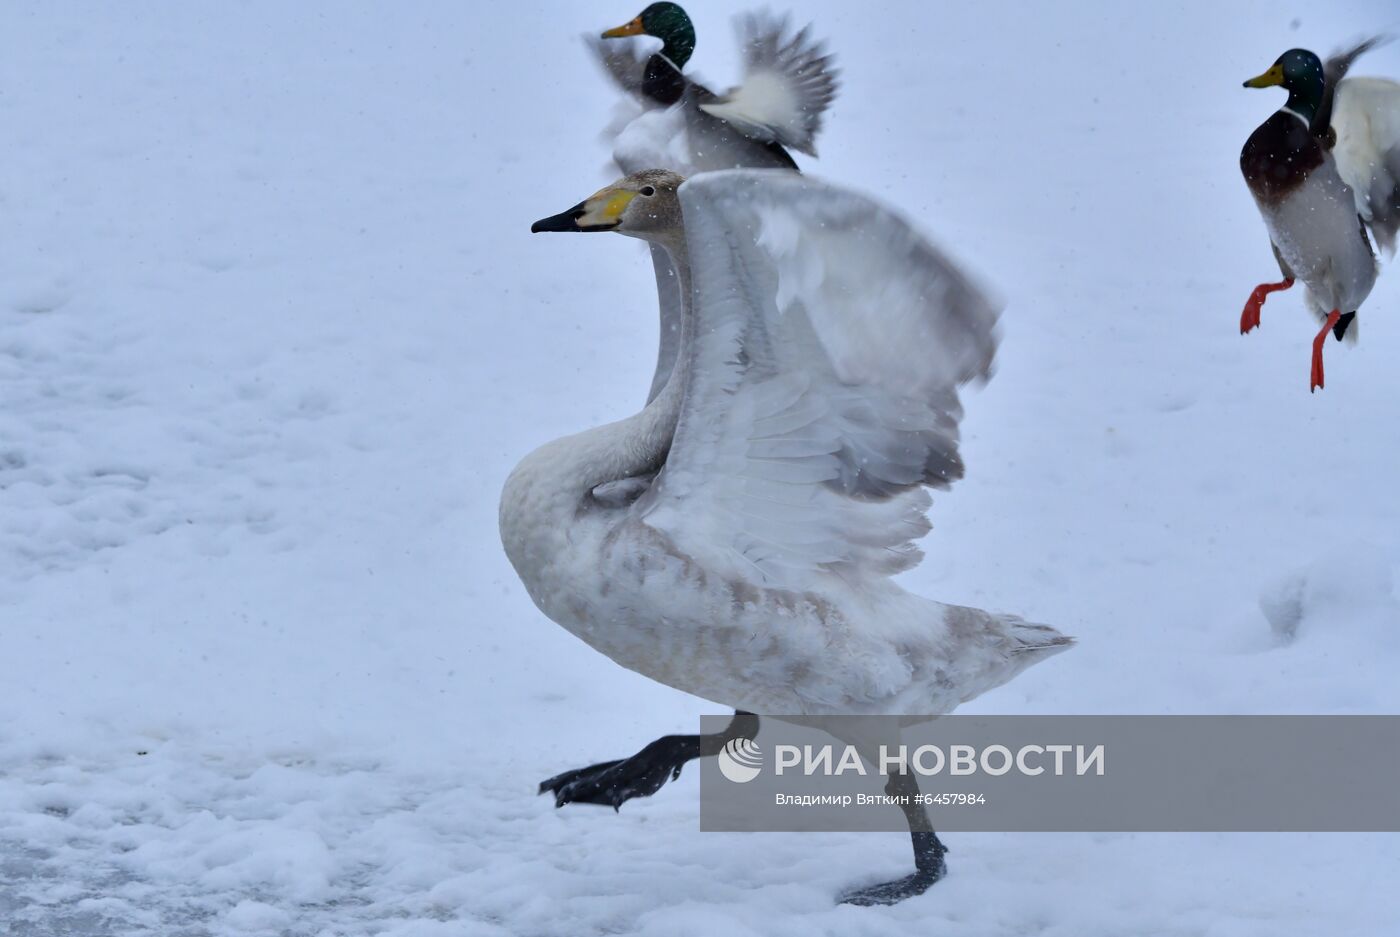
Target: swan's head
x,y
643,205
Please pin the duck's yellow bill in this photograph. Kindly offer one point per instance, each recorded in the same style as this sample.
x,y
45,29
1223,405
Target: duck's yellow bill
x,y
1274,76
633,28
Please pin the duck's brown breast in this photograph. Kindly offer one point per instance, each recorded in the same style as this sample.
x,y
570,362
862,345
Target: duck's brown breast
x,y
1278,156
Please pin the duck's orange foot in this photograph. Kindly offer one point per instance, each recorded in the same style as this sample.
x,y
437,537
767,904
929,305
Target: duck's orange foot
x,y
1316,380
1250,318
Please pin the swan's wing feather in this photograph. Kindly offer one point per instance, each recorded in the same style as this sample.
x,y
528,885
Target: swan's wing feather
x,y
821,389
1366,117
789,82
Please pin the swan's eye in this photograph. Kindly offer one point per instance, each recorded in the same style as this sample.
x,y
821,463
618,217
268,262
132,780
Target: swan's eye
x,y
648,191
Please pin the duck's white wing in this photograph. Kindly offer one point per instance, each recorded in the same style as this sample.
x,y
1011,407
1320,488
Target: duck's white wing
x,y
789,82
821,388
1366,117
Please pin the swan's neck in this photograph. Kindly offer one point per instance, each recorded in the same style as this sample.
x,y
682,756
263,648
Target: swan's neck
x,y
550,490
669,333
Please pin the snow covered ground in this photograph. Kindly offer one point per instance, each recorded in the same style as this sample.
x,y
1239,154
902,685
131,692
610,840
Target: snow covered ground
x,y
273,331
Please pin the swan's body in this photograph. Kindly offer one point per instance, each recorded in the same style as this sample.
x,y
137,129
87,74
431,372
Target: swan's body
x,y
821,346
627,589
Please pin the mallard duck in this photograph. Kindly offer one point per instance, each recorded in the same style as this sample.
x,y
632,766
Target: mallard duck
x,y
736,539
1324,169
789,82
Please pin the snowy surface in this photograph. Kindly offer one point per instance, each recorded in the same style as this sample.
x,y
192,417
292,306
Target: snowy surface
x,y
273,331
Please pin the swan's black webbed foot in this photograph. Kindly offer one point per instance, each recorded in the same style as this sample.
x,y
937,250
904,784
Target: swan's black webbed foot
x,y
564,779
613,783
896,891
929,865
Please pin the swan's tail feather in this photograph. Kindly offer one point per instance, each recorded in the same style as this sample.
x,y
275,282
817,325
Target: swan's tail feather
x,y
1022,643
1036,639
995,647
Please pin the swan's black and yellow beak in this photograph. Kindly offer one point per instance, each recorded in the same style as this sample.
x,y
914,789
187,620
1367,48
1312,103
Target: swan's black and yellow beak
x,y
601,211
564,221
634,28
1274,76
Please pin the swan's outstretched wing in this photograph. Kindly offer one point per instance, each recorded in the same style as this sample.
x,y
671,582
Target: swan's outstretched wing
x,y
821,385
789,82
1366,117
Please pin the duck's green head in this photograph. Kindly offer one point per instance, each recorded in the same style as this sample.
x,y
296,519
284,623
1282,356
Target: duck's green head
x,y
667,22
1299,71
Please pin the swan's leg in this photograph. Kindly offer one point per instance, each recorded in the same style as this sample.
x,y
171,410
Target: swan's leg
x,y
1250,318
612,783
929,866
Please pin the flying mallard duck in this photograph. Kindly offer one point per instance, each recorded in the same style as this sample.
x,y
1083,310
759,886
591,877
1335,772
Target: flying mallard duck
x,y
788,83
736,539
1324,169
